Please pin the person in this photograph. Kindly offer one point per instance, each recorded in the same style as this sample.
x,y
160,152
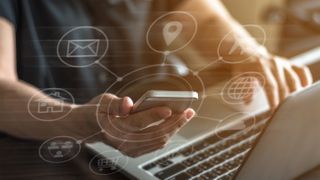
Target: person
x,y
27,65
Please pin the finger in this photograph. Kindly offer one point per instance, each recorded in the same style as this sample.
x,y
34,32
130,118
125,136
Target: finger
x,y
304,75
270,87
280,77
293,80
171,125
168,127
251,92
114,105
141,120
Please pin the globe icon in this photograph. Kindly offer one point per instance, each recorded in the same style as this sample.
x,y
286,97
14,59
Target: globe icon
x,y
242,88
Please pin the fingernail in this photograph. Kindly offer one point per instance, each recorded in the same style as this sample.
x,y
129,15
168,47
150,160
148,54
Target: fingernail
x,y
127,101
126,105
190,113
165,113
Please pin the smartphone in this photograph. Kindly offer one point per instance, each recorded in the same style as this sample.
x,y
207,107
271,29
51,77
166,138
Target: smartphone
x,y
178,101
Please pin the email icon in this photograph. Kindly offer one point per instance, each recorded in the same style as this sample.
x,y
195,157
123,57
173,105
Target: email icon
x,y
83,48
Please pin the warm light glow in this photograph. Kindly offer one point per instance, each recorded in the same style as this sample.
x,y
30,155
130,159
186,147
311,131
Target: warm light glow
x,y
217,6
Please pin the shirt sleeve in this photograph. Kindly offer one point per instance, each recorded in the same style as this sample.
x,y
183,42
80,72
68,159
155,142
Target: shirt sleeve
x,y
9,10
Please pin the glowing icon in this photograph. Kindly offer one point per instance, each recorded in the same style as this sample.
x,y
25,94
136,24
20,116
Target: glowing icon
x,y
237,45
83,48
59,149
243,48
242,87
171,31
39,106
103,164
57,107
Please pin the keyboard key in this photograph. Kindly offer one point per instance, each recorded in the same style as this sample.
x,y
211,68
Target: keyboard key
x,y
181,176
173,155
195,171
210,175
216,160
187,163
165,163
200,156
205,165
204,177
225,177
149,166
226,155
212,151
219,170
232,173
193,160
231,165
188,151
170,171
201,146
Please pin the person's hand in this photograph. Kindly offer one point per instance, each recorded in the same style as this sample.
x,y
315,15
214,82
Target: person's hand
x,y
132,133
281,76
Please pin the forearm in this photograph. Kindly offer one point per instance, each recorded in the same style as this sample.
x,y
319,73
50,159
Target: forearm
x,y
215,27
14,116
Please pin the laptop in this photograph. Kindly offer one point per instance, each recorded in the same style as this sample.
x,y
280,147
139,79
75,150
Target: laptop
x,y
231,143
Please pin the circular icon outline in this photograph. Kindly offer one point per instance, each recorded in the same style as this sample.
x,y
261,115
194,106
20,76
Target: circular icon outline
x,y
230,32
64,161
50,89
161,17
235,78
119,167
75,29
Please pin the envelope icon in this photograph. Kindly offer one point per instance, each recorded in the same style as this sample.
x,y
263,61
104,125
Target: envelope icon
x,y
83,48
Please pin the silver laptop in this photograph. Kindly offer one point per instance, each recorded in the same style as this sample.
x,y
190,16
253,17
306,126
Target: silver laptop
x,y
227,143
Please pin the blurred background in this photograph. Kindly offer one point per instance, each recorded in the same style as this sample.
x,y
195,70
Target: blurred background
x,y
293,26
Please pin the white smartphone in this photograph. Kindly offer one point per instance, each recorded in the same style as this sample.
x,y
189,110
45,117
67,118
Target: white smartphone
x,y
178,101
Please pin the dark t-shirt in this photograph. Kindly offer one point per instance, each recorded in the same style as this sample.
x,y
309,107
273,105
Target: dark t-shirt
x,y
40,24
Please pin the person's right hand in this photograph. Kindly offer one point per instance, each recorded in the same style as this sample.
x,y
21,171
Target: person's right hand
x,y
132,133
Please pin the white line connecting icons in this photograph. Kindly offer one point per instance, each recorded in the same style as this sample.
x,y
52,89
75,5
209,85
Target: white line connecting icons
x,y
86,46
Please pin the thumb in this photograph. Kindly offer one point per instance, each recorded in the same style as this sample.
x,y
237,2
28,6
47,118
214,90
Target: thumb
x,y
113,105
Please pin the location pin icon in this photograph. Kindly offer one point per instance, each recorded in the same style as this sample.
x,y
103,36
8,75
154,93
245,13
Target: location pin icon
x,y
171,31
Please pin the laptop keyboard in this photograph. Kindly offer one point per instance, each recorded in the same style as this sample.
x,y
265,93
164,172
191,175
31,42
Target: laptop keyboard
x,y
211,158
